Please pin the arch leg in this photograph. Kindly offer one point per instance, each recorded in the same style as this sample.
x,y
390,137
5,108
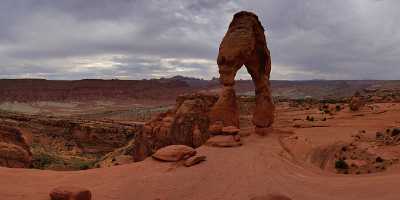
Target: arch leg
x,y
263,115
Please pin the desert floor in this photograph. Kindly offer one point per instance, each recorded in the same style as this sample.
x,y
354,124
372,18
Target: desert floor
x,y
263,165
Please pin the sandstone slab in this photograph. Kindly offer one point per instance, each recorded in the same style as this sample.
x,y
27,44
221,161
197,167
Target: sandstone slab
x,y
224,141
194,160
174,153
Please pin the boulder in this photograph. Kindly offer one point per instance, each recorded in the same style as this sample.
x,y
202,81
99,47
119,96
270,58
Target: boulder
x,y
194,160
224,141
70,193
174,153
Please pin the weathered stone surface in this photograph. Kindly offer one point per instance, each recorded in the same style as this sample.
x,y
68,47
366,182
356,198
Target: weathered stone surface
x,y
194,160
174,153
14,150
70,193
224,141
226,110
244,44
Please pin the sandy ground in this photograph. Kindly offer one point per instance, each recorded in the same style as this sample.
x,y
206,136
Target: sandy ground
x,y
260,167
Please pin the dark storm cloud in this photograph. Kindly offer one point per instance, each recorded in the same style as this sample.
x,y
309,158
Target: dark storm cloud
x,y
134,39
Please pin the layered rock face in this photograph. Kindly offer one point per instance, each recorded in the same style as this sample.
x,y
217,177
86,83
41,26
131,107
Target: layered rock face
x,y
186,124
244,44
14,150
67,134
59,142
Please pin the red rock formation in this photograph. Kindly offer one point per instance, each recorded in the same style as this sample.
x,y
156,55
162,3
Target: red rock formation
x,y
186,124
14,150
244,44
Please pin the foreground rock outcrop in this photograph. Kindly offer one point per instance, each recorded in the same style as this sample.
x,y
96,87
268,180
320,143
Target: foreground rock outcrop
x,y
59,143
14,150
244,44
186,124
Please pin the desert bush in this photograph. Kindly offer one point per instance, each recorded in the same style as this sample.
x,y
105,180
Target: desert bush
x,y
308,118
80,164
341,165
395,132
44,160
379,159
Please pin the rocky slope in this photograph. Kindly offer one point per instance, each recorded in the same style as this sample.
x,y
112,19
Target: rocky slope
x,y
56,142
14,149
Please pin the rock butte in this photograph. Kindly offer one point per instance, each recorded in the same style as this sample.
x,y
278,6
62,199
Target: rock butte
x,y
244,44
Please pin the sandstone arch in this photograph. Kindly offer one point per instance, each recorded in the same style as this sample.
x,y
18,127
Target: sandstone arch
x,y
244,44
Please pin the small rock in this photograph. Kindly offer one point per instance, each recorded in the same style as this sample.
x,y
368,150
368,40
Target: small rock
x,y
224,141
194,160
70,193
230,130
174,153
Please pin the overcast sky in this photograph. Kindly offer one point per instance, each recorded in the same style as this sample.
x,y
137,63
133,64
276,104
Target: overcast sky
x,y
136,39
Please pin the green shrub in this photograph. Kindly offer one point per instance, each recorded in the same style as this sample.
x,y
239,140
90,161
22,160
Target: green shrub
x,y
341,164
43,160
80,164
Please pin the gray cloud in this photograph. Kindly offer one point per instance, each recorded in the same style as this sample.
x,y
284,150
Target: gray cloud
x,y
135,39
